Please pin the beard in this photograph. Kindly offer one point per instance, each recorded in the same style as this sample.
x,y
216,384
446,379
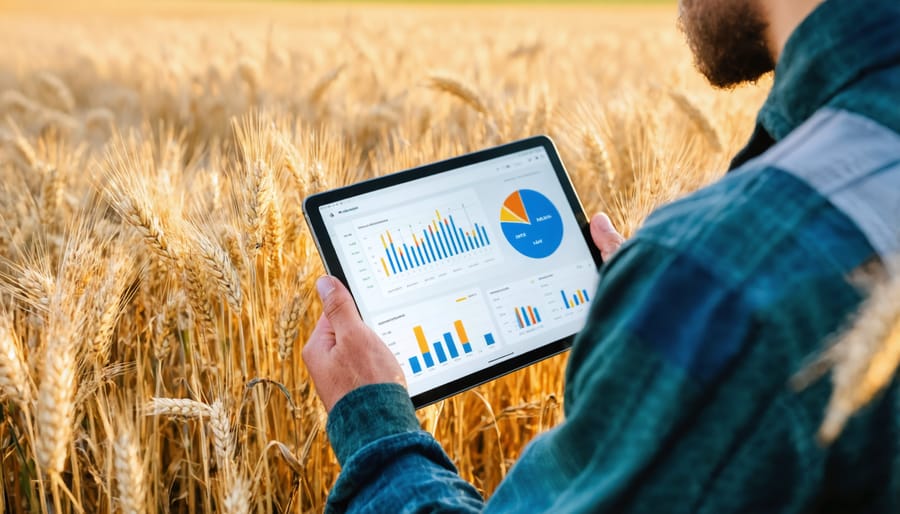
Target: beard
x,y
728,39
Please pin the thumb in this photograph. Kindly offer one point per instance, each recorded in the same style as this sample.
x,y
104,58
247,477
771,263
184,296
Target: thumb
x,y
605,236
337,304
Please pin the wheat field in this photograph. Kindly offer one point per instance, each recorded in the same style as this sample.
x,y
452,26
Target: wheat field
x,y
156,274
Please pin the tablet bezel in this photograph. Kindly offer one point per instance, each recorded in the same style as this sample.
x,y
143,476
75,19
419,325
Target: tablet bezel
x,y
312,212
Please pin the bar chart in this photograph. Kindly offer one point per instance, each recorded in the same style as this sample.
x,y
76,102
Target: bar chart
x,y
451,345
576,299
430,336
544,302
439,240
426,242
527,316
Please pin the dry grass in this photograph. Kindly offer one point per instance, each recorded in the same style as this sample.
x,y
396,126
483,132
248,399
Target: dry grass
x,y
157,272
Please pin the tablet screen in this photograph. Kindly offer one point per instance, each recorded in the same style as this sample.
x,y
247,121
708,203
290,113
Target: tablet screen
x,y
468,268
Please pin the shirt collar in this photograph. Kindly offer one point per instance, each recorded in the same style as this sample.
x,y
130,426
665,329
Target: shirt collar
x,y
840,42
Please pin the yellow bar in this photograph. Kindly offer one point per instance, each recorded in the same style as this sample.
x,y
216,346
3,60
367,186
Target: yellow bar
x,y
461,331
420,337
438,213
391,239
382,242
386,272
464,298
580,297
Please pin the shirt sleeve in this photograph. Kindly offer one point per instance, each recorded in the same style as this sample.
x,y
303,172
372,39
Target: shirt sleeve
x,y
389,463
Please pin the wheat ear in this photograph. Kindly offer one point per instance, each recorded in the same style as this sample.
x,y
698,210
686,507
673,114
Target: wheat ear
x,y
14,383
699,119
55,410
177,407
131,479
460,90
865,359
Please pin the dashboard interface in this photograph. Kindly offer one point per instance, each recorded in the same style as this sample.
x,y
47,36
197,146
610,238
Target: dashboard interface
x,y
466,269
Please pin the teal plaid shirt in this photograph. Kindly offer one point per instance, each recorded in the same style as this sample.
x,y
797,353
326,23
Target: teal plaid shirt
x,y
676,391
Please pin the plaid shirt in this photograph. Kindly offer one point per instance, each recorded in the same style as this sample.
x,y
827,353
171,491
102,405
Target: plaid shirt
x,y
676,393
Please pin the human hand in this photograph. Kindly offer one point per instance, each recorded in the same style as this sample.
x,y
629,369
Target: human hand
x,y
343,353
605,237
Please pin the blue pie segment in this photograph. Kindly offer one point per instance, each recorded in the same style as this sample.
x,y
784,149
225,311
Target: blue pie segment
x,y
531,224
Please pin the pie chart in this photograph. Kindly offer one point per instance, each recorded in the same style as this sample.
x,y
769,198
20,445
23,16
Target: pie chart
x,y
531,224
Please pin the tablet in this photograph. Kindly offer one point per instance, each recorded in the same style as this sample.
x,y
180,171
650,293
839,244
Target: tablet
x,y
469,268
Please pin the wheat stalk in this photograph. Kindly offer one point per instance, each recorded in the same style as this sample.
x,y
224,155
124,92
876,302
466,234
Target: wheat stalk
x,y
55,409
460,90
698,118
176,407
864,360
237,494
216,264
14,383
223,439
57,92
131,480
598,155
289,326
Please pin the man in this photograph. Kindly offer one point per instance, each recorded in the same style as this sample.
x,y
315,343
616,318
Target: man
x,y
676,395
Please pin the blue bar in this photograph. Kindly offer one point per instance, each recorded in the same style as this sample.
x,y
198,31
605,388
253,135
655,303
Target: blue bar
x,y
455,233
428,246
525,316
433,244
439,349
472,242
446,239
484,233
406,260
536,315
436,239
467,348
480,233
415,257
462,236
575,300
448,338
586,297
565,300
489,339
388,253
414,364
421,255
394,250
428,360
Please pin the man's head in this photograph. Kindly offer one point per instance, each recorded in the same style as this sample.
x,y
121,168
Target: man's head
x,y
728,38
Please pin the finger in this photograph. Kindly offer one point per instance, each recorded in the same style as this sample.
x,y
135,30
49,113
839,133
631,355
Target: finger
x,y
605,236
337,304
320,342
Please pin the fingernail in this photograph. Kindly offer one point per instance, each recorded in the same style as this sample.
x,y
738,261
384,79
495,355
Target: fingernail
x,y
604,222
324,286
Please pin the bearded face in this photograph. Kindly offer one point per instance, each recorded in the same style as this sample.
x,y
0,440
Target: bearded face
x,y
728,39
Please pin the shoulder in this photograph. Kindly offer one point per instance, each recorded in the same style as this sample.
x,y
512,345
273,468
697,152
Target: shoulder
x,y
822,201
